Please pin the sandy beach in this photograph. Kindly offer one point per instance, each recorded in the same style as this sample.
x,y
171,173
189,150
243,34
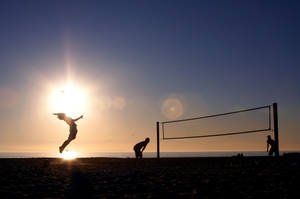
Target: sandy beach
x,y
226,177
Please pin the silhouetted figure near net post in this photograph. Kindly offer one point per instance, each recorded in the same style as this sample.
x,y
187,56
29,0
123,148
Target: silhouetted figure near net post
x,y
73,129
272,144
140,147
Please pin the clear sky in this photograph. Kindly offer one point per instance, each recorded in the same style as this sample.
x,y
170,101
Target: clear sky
x,y
132,63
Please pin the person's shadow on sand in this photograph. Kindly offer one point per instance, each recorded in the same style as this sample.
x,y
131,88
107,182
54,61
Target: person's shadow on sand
x,y
80,186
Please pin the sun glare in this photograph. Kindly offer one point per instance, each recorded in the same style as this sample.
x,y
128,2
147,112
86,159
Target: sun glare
x,y
69,155
69,99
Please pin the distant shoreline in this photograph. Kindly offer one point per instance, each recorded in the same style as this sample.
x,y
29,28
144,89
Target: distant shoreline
x,y
131,154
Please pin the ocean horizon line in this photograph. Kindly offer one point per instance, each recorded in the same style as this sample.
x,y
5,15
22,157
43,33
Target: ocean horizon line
x,y
132,155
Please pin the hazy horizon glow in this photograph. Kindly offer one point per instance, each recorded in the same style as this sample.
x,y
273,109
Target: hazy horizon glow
x,y
127,65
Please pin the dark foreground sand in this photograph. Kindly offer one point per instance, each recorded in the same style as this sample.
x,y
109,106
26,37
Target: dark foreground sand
x,y
249,177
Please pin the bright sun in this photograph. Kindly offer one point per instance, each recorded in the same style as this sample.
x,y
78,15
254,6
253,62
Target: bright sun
x,y
69,155
69,99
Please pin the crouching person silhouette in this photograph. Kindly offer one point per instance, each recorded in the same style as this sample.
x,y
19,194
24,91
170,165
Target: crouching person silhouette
x,y
73,129
140,147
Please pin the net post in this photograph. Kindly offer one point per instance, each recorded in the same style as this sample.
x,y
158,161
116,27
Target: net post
x,y
275,116
157,137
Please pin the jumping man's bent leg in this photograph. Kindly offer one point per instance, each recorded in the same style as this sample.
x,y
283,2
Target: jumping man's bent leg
x,y
63,146
71,137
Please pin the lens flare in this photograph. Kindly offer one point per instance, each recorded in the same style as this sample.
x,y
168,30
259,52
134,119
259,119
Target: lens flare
x,y
172,108
119,103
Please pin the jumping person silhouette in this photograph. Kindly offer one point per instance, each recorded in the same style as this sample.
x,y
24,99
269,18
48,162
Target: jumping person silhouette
x,y
140,147
270,142
73,129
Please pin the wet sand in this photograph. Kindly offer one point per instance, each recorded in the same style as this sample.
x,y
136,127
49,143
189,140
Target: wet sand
x,y
229,177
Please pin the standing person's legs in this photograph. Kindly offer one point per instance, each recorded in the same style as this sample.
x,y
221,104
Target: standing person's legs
x,y
141,154
271,151
136,153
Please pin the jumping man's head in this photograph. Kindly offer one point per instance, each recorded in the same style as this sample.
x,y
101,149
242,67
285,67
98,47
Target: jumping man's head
x,y
60,116
269,137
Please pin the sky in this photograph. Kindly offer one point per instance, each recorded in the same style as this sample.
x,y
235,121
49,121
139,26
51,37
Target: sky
x,y
132,63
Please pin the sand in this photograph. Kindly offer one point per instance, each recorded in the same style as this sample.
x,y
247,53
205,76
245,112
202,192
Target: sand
x,y
230,177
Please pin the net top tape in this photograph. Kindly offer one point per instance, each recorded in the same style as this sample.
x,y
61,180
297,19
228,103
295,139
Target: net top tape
x,y
216,115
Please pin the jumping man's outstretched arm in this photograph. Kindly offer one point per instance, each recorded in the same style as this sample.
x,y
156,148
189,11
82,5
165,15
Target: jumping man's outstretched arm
x,y
74,120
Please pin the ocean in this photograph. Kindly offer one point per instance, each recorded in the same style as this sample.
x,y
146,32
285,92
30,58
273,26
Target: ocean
x,y
132,155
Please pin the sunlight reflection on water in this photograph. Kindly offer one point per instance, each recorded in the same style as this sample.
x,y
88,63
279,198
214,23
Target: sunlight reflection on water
x,y
69,155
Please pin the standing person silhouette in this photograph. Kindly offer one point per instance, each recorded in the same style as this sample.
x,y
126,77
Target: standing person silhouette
x,y
73,129
270,142
140,147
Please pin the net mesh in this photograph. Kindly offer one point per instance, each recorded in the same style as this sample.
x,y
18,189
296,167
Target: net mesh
x,y
244,121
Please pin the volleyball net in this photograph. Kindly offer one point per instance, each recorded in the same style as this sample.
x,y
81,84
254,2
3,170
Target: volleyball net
x,y
243,121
